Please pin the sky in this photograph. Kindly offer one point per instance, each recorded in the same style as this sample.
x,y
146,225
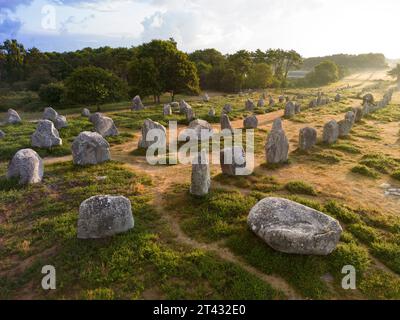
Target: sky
x,y
311,27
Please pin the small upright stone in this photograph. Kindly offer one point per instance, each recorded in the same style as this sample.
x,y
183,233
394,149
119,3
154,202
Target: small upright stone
x,y
60,122
344,127
350,116
85,112
290,110
281,99
27,166
104,216
137,103
232,159
2,134
206,97
201,180
358,114
271,101
90,148
46,135
148,125
251,122
211,112
261,103
277,146
338,97
167,111
331,132
249,105
13,117
307,138
297,108
313,103
227,108
190,115
105,126
183,106
50,114
225,122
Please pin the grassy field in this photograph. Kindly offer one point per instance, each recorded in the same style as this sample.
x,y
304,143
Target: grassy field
x,y
184,247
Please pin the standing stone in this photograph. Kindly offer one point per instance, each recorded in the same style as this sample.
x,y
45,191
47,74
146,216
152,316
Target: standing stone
x,y
281,99
368,98
331,132
263,96
350,116
249,105
287,99
211,112
183,106
251,122
85,112
46,135
137,103
150,125
277,146
227,108
358,114
271,101
90,148
27,166
175,105
95,117
297,108
104,216
198,129
201,180
366,109
206,97
261,103
313,103
50,114
344,127
232,159
307,138
290,227
225,122
105,126
13,117
60,122
338,98
167,111
189,114
2,134
290,110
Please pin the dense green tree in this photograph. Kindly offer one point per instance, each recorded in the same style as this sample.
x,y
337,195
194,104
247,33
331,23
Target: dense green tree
x,y
324,73
52,93
13,55
93,85
260,76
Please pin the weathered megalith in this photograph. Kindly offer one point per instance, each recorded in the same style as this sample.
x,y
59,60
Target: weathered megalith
x,y
206,97
211,112
137,103
104,216
198,129
331,132
338,97
232,159
104,125
350,116
227,108
167,110
13,117
277,146
50,114
307,138
358,114
27,166
290,110
85,112
190,115
250,122
90,148
46,135
261,103
297,108
146,141
225,122
201,180
290,227
249,105
60,122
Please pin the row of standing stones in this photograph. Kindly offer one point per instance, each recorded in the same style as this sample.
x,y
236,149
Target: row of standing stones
x,y
284,225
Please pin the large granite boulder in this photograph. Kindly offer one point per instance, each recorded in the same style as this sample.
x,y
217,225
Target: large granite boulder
x,y
307,138
104,216
46,135
201,179
137,103
50,114
90,148
277,146
13,117
60,122
250,122
146,141
331,132
104,125
290,110
198,129
27,166
290,227
232,159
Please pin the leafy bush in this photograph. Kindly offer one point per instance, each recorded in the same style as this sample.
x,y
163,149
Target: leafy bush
x,y
300,187
365,171
52,93
380,285
92,85
349,254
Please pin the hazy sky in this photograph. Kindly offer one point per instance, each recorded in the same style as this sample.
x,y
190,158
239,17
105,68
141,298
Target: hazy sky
x,y
311,27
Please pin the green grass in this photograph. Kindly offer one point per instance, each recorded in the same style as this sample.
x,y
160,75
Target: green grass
x,y
381,285
365,171
143,262
345,147
325,158
379,162
396,175
300,187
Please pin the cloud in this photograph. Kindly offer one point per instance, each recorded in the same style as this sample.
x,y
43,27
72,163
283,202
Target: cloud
x,y
74,21
9,27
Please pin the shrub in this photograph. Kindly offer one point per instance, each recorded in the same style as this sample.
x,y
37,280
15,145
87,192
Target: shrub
x,y
349,254
94,85
365,171
52,93
396,175
380,285
363,232
300,187
341,213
